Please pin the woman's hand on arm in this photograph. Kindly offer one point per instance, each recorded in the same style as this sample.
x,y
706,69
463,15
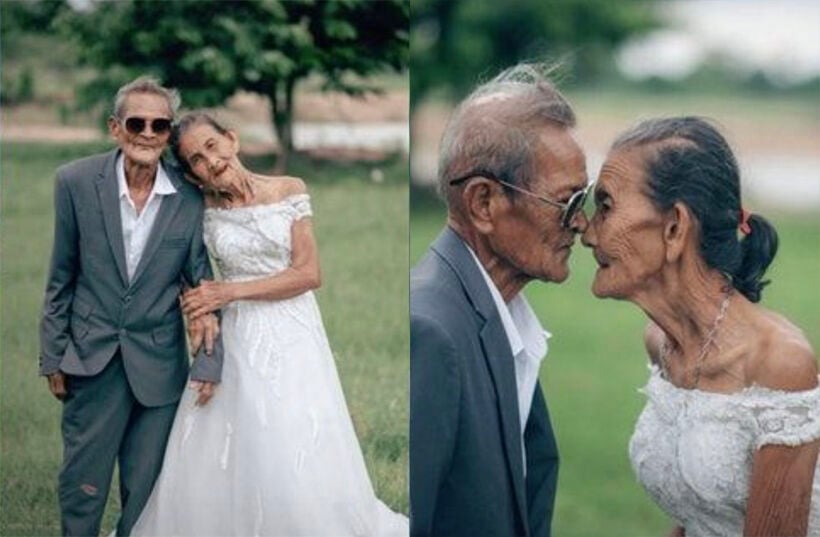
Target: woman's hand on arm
x,y
301,276
208,297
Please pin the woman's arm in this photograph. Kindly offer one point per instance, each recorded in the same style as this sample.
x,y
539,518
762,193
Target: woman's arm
x,y
780,490
302,275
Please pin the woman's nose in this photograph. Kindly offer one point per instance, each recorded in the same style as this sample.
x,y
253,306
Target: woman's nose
x,y
588,238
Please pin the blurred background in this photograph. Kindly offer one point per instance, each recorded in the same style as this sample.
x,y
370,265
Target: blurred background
x,y
318,90
751,65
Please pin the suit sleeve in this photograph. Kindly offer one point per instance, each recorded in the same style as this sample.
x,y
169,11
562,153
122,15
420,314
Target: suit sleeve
x,y
198,267
434,408
542,466
60,283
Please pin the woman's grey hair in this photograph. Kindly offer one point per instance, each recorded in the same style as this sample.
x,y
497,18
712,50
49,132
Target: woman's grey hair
x,y
497,128
146,84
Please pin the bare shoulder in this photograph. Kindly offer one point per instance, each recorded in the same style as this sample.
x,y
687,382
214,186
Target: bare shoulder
x,y
653,338
784,359
276,188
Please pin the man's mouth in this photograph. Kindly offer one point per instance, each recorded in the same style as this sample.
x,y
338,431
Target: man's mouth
x,y
603,261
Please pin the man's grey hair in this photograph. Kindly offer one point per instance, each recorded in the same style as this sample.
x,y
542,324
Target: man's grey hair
x,y
146,84
496,129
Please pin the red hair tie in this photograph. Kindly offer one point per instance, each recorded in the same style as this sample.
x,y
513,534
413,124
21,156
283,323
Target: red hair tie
x,y
744,226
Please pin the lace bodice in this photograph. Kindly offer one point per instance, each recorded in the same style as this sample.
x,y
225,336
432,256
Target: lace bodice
x,y
253,241
693,450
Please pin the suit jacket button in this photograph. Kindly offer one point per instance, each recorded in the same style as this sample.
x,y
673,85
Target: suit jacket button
x,y
123,331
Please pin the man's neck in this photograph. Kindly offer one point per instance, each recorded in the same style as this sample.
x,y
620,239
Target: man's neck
x,y
508,281
139,176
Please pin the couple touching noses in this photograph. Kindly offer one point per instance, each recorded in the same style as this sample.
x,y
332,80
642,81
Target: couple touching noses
x,y
669,233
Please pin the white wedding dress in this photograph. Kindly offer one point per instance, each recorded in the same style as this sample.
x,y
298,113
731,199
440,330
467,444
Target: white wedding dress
x,y
692,450
274,452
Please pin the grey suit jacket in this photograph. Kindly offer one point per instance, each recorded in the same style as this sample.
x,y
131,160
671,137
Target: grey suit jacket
x,y
91,309
466,470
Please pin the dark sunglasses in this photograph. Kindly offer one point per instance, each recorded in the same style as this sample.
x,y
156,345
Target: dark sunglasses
x,y
569,209
136,125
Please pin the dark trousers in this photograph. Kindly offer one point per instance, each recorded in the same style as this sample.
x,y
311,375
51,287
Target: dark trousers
x,y
104,423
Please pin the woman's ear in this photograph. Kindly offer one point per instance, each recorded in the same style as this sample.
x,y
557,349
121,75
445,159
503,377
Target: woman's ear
x,y
677,231
476,197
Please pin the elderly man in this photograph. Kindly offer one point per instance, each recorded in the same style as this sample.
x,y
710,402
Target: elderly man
x,y
483,459
127,237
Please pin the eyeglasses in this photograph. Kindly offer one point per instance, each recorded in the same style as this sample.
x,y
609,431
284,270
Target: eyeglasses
x,y
136,125
568,210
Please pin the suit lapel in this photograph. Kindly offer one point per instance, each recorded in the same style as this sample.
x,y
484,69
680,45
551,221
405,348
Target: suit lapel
x,y
497,353
108,193
167,210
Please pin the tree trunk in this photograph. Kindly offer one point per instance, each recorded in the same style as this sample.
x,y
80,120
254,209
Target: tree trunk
x,y
282,112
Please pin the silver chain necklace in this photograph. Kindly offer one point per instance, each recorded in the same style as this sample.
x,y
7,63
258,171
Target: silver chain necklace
x,y
704,350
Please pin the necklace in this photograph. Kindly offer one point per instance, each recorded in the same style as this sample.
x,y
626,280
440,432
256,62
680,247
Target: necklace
x,y
704,350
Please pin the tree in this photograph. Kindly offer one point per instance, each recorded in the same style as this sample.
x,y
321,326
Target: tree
x,y
209,50
455,44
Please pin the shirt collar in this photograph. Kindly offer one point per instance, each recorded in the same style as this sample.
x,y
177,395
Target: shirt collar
x,y
162,184
523,329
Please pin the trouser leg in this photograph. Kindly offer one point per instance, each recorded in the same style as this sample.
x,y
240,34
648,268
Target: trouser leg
x,y
140,459
95,416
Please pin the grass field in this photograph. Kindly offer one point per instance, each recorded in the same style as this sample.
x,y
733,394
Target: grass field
x,y
362,230
596,363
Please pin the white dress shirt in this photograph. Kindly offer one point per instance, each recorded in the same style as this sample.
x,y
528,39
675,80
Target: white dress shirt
x,y
137,227
528,342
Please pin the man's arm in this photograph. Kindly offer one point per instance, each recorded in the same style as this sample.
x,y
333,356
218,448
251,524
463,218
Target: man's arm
x,y
435,393
542,466
62,276
207,367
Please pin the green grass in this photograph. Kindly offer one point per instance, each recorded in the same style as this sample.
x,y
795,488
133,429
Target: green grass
x,y
361,230
596,363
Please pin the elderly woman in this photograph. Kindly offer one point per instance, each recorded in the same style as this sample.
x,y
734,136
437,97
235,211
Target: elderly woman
x,y
274,452
727,443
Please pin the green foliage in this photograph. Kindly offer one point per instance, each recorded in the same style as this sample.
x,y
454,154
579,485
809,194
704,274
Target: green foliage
x,y
211,49
361,231
455,44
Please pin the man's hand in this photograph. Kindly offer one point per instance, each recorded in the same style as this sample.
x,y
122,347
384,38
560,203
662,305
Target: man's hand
x,y
203,329
206,390
57,385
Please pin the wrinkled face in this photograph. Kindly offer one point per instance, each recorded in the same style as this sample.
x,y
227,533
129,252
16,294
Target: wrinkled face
x,y
528,237
626,231
142,148
211,156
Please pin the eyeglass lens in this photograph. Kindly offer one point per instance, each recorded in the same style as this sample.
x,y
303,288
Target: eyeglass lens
x,y
575,203
135,125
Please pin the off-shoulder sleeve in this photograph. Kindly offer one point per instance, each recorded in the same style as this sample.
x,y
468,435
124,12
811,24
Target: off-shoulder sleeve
x,y
787,418
300,205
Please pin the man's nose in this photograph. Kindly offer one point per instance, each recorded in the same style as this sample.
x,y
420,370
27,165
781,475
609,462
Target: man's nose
x,y
579,222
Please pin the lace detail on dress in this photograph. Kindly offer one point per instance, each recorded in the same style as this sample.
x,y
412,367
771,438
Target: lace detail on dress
x,y
693,450
787,418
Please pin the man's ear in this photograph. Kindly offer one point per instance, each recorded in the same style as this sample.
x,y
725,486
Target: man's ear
x,y
477,197
677,231
113,127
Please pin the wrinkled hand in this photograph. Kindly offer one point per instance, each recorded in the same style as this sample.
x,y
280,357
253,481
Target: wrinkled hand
x,y
208,297
57,384
205,388
201,330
